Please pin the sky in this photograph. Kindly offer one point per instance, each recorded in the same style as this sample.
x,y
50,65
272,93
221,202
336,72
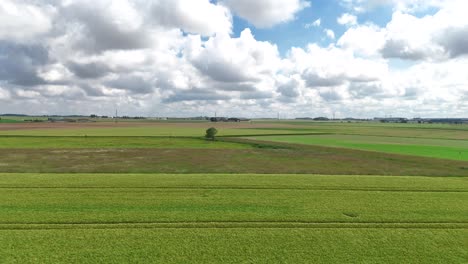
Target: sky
x,y
244,58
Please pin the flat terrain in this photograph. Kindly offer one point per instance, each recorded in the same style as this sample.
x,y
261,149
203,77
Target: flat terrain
x,y
302,216
263,192
435,148
83,142
258,159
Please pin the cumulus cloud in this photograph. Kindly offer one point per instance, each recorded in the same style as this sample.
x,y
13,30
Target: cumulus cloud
x,y
236,60
454,40
406,36
193,16
181,57
316,23
290,87
22,21
266,13
365,40
334,72
347,19
195,94
133,83
90,70
21,63
103,25
396,5
4,94
330,34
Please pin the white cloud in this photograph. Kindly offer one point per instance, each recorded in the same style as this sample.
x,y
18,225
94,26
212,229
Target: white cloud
x,y
22,21
179,58
4,94
193,16
330,34
266,13
365,40
347,19
432,37
397,5
316,23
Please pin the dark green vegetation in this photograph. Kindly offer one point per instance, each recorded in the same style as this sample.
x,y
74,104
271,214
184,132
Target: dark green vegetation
x,y
391,194
8,121
211,133
232,218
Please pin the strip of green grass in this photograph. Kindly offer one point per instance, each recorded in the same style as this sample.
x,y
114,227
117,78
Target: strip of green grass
x,y
114,142
42,198
9,121
249,245
235,181
436,148
436,131
154,205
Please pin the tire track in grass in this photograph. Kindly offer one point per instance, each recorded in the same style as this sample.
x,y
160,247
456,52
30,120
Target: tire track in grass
x,y
236,224
240,188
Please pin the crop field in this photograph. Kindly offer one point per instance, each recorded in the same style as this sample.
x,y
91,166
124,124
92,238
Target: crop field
x,y
314,216
436,148
34,142
262,192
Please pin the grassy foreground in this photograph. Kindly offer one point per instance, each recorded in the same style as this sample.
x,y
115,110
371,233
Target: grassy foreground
x,y
240,245
84,218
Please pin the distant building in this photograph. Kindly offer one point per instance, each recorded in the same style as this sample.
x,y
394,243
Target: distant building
x,y
225,119
442,120
391,119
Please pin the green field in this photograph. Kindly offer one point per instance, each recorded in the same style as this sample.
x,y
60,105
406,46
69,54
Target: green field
x,y
301,215
433,131
8,121
435,148
263,192
27,142
235,245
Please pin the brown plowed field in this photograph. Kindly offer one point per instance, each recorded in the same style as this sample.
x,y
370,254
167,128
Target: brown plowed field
x,y
77,125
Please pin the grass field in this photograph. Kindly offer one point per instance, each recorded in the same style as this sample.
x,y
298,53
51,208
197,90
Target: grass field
x,y
8,121
436,148
299,215
27,142
238,245
264,192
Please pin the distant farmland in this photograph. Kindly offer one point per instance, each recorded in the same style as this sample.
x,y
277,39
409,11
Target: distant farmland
x,y
425,147
263,192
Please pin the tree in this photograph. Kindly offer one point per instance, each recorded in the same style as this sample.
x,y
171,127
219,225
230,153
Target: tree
x,y
211,133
